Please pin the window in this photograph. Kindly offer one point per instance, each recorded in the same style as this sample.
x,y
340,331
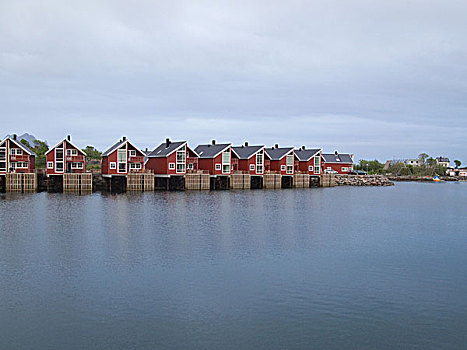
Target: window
x,y
344,169
25,165
226,161
317,164
138,165
58,155
121,167
181,157
13,165
171,166
289,162
252,167
2,153
16,151
113,165
190,166
282,167
3,166
121,159
135,166
132,153
218,167
71,152
59,166
50,165
259,163
310,168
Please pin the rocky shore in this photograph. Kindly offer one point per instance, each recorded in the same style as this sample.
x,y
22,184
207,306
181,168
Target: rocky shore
x,y
362,180
426,178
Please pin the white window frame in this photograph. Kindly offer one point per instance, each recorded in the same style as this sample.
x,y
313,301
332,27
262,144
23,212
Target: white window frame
x,y
4,148
252,167
113,165
282,167
260,162
122,151
317,164
218,166
71,152
189,166
344,169
171,166
180,159
50,165
16,151
132,153
289,167
310,168
226,164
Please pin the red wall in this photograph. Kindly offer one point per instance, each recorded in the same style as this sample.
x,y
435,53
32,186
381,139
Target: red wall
x,y
338,167
24,158
209,164
304,166
77,159
277,164
244,165
160,165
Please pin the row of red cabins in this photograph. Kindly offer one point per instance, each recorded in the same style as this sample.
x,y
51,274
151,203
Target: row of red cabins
x,y
177,158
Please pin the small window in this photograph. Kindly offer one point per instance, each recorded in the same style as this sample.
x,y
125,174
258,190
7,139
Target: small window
x,y
252,167
80,165
113,165
310,168
282,167
138,165
132,153
25,165
345,169
50,165
190,166
171,166
71,152
132,166
218,167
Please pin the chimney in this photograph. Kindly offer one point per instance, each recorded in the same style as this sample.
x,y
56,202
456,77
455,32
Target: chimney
x,y
246,143
124,138
303,148
68,137
213,142
147,150
167,142
276,145
14,137
336,153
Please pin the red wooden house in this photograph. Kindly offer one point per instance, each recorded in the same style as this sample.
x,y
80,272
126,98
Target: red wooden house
x,y
122,158
341,163
308,161
281,159
251,159
65,157
215,158
172,158
16,157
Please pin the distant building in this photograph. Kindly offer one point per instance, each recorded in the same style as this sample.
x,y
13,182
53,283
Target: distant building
x,y
65,157
172,158
340,162
443,161
413,162
216,158
251,159
308,160
282,159
122,158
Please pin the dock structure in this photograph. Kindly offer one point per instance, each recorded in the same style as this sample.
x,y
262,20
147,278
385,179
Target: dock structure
x,y
140,182
272,181
20,182
240,181
327,180
78,183
198,181
301,180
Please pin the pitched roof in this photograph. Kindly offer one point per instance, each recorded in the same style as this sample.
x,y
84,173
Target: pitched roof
x,y
246,152
118,145
305,154
442,159
164,151
210,150
66,140
278,153
19,144
339,158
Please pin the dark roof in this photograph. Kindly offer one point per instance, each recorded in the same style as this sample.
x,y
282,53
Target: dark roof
x,y
305,154
113,148
277,153
246,152
210,150
27,149
442,159
164,151
339,158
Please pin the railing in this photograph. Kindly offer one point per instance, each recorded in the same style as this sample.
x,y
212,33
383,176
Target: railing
x,y
20,158
74,158
136,159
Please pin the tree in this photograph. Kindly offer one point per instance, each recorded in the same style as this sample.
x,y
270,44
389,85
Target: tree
x,y
40,147
26,143
423,157
458,163
431,162
92,153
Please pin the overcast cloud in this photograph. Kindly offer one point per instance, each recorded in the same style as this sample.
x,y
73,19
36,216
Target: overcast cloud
x,y
378,79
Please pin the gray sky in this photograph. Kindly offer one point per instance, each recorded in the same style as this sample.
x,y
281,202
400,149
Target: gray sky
x,y
378,79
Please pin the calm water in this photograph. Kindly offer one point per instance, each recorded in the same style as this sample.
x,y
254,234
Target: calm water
x,y
340,268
